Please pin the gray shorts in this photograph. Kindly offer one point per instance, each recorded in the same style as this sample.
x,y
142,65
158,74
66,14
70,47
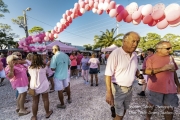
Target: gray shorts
x,y
160,99
122,98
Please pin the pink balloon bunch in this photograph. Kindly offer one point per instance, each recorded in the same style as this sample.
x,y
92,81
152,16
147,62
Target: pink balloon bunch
x,y
26,43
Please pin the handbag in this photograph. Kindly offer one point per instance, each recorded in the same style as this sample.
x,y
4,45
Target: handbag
x,y
32,92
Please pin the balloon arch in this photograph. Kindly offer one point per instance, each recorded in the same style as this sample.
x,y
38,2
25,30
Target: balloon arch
x,y
158,15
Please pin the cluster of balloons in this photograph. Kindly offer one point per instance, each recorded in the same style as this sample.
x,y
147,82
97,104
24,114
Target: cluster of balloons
x,y
27,44
157,15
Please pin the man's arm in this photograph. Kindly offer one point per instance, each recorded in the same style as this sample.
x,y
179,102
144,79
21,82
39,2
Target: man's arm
x,y
153,71
109,95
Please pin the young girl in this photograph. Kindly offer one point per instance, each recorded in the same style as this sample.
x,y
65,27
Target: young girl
x,y
85,68
39,82
94,68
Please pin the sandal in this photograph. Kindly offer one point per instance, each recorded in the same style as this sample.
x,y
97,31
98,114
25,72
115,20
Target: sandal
x,y
50,113
17,110
25,113
33,118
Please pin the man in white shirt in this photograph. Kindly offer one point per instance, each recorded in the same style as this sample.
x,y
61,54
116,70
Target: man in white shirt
x,y
120,72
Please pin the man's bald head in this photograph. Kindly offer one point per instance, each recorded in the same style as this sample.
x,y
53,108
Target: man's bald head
x,y
56,47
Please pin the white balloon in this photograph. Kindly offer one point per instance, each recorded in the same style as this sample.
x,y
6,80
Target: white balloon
x,y
63,21
105,6
55,35
100,6
58,23
82,10
94,10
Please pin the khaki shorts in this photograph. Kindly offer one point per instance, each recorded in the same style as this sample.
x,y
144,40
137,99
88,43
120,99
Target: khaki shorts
x,y
122,98
160,99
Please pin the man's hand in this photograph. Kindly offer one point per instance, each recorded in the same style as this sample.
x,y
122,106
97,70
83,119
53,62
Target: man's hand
x,y
109,98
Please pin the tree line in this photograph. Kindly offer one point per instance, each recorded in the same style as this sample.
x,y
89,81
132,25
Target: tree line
x,y
109,37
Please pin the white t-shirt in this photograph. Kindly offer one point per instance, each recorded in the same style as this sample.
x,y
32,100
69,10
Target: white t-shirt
x,y
103,56
122,67
93,62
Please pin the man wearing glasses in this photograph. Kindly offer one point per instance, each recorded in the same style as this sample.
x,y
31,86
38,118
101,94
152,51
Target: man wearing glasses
x,y
163,84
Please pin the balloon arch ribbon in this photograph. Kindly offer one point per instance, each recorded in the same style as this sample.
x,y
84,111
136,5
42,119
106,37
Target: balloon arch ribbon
x,y
158,15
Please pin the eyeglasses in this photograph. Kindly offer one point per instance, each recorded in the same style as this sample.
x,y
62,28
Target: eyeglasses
x,y
166,48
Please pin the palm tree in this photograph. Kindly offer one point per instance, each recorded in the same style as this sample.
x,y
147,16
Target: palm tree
x,y
107,38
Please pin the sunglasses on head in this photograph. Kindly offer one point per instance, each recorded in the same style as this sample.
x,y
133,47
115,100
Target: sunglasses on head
x,y
15,59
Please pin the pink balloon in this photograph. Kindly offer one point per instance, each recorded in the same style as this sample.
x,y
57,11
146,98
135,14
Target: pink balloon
x,y
119,18
108,1
87,7
76,5
101,1
99,12
112,5
147,19
162,24
120,8
46,38
124,14
137,21
82,4
147,9
136,15
159,6
174,23
112,13
173,15
158,14
96,5
128,19
91,3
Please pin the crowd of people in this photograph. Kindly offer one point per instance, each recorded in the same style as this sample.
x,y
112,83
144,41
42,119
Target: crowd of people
x,y
46,74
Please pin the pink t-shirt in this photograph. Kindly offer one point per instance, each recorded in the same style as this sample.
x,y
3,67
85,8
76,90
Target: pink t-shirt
x,y
93,62
39,81
73,60
20,78
122,67
79,57
162,82
1,66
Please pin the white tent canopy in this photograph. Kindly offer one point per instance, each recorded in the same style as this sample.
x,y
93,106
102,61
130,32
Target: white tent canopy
x,y
110,48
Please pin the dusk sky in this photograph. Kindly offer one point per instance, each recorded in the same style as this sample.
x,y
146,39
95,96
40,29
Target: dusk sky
x,y
46,13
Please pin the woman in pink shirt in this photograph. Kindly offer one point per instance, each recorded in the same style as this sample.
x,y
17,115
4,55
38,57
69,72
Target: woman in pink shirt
x,y
2,73
39,82
73,59
94,68
19,81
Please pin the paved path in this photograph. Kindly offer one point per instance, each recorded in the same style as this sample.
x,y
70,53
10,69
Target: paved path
x,y
88,103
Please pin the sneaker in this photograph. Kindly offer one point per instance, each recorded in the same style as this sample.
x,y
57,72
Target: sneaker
x,y
87,82
71,77
69,101
142,93
61,106
91,84
76,78
96,84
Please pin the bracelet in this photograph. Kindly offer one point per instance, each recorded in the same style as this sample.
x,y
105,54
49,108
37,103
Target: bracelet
x,y
152,72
